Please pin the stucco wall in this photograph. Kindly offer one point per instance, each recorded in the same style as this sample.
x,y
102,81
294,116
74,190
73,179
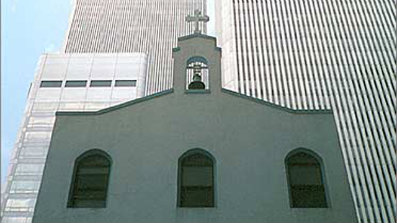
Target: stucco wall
x,y
248,139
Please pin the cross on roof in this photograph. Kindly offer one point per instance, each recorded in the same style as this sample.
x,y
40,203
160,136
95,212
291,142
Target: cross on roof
x,y
196,18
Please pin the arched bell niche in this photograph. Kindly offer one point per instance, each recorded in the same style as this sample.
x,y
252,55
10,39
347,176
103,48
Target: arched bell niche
x,y
197,73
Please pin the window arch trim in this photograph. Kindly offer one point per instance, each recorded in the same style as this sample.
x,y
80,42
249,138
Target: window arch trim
x,y
81,157
91,152
304,150
322,169
194,59
194,151
179,176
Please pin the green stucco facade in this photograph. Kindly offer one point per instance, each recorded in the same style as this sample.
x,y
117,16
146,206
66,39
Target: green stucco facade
x,y
248,138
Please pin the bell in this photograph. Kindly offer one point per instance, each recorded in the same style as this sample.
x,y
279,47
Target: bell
x,y
196,83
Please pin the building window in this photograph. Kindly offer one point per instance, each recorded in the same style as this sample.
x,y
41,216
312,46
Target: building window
x,y
24,186
101,83
305,179
196,179
90,180
125,83
76,84
20,204
51,84
29,169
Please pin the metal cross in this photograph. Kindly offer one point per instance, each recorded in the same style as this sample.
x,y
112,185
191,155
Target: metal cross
x,y
196,18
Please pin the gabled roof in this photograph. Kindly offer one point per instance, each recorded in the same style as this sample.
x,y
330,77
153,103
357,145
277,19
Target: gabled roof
x,y
270,104
116,107
166,92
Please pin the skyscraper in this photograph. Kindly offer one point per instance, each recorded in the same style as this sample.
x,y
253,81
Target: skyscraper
x,y
151,27
114,51
63,82
320,55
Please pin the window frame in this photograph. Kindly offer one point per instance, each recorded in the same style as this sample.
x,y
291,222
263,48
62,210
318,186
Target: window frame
x,y
45,83
93,83
179,177
117,83
323,177
76,81
88,153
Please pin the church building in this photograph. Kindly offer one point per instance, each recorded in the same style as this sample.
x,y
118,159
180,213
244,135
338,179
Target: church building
x,y
195,153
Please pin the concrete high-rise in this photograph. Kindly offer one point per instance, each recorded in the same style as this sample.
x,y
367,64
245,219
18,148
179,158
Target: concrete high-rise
x,y
319,55
63,82
151,27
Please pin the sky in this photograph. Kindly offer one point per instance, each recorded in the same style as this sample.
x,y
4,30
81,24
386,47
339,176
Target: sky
x,y
29,29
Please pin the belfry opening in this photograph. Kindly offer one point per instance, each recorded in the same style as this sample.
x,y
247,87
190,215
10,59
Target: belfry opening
x,y
197,73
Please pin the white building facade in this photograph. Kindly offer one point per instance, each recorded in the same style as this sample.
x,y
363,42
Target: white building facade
x,y
321,55
151,27
63,82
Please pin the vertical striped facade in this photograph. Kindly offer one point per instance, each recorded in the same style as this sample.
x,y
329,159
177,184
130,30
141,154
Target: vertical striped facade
x,y
148,26
321,54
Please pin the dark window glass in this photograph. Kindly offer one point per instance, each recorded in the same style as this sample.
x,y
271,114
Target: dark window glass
x,y
305,181
196,181
51,84
76,83
101,83
125,83
90,183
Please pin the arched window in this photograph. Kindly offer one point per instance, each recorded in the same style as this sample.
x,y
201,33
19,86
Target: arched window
x,y
196,179
197,73
305,179
90,180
